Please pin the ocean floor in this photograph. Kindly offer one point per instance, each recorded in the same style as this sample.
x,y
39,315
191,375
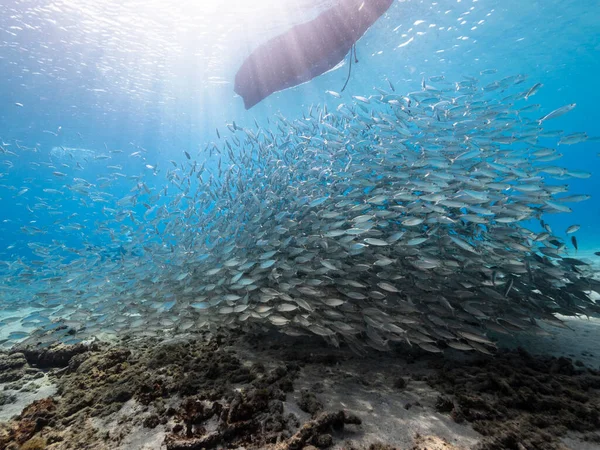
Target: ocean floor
x,y
268,391
276,392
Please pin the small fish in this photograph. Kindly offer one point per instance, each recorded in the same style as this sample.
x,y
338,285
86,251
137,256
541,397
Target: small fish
x,y
413,221
429,347
574,138
286,307
361,99
375,241
573,229
187,155
557,112
334,94
508,288
533,90
387,287
574,242
529,108
333,302
391,85
267,264
459,346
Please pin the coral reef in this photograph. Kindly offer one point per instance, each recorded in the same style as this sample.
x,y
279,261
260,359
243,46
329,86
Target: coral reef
x,y
229,391
520,401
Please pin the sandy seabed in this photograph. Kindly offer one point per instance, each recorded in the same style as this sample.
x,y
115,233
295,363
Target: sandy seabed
x,y
275,392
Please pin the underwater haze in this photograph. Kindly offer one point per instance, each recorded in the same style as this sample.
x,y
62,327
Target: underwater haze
x,y
137,195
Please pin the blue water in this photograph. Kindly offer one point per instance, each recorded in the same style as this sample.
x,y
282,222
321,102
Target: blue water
x,y
155,79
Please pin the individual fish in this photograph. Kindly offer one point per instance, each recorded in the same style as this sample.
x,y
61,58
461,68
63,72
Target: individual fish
x,y
557,112
573,138
459,346
533,90
376,242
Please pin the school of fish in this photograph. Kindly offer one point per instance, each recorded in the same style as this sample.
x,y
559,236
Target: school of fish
x,y
414,218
